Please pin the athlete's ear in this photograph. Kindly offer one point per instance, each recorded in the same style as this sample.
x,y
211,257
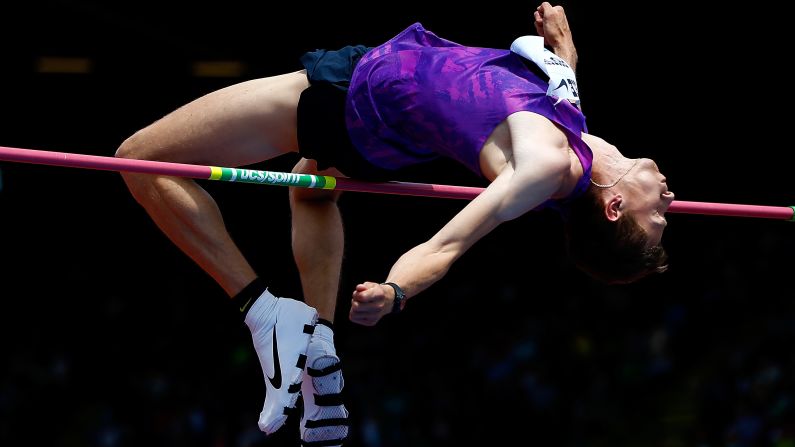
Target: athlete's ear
x,y
613,207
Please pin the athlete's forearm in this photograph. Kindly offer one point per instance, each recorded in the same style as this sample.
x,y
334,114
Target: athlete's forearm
x,y
551,23
568,53
421,267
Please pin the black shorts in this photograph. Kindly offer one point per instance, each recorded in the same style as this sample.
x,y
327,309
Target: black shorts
x,y
322,132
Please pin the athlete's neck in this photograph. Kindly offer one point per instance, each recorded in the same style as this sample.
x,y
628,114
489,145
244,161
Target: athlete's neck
x,y
608,161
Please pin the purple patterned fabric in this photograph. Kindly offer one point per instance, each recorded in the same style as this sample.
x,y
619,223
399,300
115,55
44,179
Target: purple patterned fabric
x,y
418,97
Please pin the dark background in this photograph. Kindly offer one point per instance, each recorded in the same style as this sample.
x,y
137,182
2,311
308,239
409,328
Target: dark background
x,y
109,336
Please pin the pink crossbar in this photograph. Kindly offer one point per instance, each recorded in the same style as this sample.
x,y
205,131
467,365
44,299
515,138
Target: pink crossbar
x,y
346,184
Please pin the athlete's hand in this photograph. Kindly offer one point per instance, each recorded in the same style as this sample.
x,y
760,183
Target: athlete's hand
x,y
551,24
370,302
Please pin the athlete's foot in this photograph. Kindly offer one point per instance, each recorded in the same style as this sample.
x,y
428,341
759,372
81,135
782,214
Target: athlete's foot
x,y
325,418
281,329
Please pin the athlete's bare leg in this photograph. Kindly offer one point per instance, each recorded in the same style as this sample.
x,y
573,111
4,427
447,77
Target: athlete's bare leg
x,y
238,125
317,241
318,246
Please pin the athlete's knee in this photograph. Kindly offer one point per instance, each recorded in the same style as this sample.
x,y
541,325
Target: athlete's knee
x,y
313,196
132,147
310,195
140,185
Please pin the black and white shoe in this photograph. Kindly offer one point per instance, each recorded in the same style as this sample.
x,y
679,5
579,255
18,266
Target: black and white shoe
x,y
281,333
325,419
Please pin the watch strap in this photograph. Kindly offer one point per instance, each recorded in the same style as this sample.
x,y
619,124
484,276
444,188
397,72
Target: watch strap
x,y
397,305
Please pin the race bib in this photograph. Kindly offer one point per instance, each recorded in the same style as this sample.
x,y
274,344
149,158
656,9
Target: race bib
x,y
562,82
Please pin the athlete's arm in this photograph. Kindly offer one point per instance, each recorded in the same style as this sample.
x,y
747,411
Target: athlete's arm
x,y
551,24
533,175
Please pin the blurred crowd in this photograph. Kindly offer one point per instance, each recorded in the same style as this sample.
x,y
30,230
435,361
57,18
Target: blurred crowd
x,y
112,353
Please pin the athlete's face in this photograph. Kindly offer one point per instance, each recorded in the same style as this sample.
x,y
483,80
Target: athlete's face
x,y
647,198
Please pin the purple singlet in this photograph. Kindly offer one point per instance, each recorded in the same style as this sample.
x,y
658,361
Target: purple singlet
x,y
418,97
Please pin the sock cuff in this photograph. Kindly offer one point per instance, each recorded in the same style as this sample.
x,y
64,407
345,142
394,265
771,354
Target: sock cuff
x,y
244,299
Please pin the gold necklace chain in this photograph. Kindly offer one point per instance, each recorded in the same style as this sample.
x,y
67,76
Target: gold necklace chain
x,y
618,179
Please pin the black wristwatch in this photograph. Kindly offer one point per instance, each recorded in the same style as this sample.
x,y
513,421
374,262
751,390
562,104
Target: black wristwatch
x,y
397,305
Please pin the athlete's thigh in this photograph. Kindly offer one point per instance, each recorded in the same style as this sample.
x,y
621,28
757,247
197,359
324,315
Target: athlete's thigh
x,y
238,125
